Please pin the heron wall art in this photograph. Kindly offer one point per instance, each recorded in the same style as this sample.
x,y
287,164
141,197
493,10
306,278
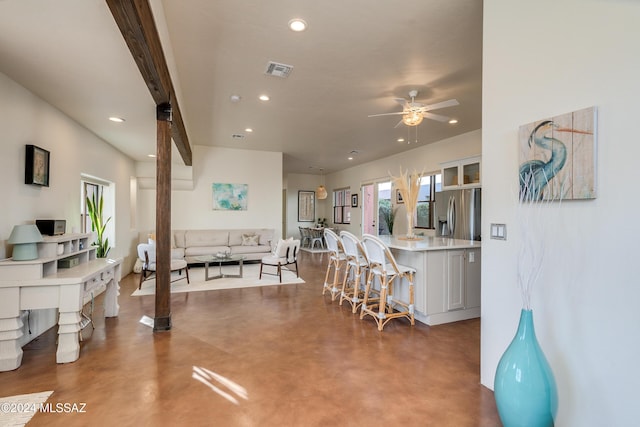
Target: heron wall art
x,y
557,157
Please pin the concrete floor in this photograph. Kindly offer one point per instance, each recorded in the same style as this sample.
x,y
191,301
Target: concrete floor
x,y
271,356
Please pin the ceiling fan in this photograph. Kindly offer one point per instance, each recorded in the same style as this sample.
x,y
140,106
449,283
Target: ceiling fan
x,y
413,112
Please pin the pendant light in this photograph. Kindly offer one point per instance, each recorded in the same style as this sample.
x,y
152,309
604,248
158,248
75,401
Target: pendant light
x,y
321,192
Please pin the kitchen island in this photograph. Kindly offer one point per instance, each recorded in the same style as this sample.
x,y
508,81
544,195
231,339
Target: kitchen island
x,y
447,280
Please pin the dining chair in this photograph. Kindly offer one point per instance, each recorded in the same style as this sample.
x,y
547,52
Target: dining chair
x,y
355,276
317,237
305,237
391,275
337,261
147,254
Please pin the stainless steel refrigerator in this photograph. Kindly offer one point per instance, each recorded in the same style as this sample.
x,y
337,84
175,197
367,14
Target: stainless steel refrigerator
x,y
458,214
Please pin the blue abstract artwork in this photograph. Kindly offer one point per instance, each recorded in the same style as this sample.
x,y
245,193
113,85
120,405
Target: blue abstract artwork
x,y
229,197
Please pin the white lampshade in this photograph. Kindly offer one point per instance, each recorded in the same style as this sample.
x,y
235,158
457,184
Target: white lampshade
x,y
24,239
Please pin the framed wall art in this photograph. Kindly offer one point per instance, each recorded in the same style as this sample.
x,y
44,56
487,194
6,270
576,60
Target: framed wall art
x,y
354,200
306,206
36,170
229,197
558,157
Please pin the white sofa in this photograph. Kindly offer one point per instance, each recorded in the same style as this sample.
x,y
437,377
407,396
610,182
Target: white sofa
x,y
253,243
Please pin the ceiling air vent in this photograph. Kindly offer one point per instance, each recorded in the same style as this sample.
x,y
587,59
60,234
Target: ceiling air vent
x,y
278,70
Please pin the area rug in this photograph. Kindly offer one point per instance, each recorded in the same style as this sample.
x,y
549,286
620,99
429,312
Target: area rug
x,y
18,410
314,250
196,276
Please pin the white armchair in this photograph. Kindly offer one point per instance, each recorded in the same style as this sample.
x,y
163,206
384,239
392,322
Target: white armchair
x,y
286,253
147,254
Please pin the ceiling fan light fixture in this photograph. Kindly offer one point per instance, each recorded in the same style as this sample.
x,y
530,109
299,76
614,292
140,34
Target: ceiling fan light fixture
x,y
412,118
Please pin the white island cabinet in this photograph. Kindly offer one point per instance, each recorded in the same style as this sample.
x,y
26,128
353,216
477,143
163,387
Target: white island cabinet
x,y
447,280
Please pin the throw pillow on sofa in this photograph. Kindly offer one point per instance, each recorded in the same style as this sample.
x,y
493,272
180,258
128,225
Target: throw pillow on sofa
x,y
250,240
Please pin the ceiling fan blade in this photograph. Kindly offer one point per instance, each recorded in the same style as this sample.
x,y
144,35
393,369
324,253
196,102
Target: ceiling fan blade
x,y
437,117
387,114
403,102
443,104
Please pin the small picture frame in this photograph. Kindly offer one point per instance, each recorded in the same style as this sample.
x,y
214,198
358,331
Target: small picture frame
x,y
399,199
36,170
354,200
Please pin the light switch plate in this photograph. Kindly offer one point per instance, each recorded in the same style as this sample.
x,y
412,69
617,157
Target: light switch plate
x,y
499,231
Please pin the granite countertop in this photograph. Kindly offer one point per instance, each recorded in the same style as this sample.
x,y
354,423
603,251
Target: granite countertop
x,y
429,243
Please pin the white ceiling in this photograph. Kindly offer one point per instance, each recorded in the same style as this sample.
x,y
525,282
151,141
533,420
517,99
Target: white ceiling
x,y
352,61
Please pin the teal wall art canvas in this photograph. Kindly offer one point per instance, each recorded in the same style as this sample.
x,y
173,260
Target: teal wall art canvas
x,y
229,197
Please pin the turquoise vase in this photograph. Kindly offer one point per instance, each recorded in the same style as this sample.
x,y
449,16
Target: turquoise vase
x,y
524,387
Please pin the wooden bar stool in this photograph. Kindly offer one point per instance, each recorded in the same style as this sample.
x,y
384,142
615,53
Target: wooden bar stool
x,y
353,285
383,266
337,260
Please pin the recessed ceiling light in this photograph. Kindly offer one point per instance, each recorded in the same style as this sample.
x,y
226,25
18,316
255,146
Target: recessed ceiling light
x,y
453,121
248,130
350,158
116,119
297,25
153,156
400,139
263,97
235,98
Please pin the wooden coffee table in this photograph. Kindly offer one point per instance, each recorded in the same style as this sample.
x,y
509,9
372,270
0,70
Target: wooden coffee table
x,y
212,259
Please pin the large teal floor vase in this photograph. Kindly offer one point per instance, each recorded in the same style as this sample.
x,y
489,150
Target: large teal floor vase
x,y
524,387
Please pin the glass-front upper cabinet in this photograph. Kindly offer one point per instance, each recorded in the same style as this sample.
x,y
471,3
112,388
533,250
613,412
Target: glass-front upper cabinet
x,y
462,173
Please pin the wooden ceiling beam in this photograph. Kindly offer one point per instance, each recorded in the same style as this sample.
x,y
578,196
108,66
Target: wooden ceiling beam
x,y
136,23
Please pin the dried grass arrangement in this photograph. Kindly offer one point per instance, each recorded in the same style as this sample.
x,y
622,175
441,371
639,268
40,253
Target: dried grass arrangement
x,y
532,221
409,187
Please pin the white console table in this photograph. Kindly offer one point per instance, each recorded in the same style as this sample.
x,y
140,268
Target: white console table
x,y
41,284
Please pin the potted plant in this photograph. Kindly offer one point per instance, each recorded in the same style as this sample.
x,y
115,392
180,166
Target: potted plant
x,y
387,214
98,225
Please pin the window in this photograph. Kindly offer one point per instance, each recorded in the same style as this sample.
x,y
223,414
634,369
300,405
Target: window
x,y
342,206
429,185
91,186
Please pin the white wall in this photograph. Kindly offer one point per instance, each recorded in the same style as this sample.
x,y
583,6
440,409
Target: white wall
x,y
425,158
26,119
303,182
192,208
542,59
